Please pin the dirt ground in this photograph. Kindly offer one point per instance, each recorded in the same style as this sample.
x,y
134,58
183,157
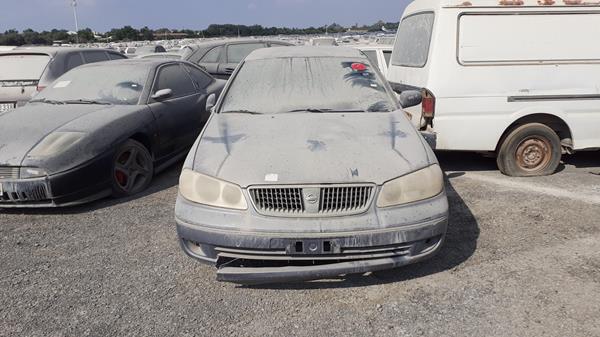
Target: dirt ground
x,y
522,258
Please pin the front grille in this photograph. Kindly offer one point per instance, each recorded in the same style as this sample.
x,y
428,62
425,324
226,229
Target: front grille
x,y
21,192
344,199
9,172
284,200
312,201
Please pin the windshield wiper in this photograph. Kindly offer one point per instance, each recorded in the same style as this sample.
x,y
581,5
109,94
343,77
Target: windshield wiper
x,y
318,110
47,101
242,112
85,101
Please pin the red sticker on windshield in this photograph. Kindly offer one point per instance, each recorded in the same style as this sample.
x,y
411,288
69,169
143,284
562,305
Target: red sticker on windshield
x,y
359,66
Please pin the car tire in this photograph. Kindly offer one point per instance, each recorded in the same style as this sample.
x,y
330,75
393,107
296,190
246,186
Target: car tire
x,y
132,169
530,150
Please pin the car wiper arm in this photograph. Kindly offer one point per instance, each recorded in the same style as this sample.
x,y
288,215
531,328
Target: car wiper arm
x,y
242,112
85,101
47,101
318,110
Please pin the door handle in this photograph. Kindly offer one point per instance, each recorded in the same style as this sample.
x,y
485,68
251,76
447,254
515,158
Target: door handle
x,y
229,70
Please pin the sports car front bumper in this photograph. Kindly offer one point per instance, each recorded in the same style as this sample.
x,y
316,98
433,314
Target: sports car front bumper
x,y
81,184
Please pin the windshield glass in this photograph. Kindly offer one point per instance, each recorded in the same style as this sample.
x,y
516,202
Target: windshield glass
x,y
325,84
22,67
114,84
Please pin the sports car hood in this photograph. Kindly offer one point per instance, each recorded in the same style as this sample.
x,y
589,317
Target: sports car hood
x,y
305,148
23,128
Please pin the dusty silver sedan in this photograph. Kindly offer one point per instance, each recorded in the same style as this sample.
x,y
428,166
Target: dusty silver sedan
x,y
307,169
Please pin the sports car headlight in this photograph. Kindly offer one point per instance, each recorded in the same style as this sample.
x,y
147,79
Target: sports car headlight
x,y
420,185
206,190
56,143
31,172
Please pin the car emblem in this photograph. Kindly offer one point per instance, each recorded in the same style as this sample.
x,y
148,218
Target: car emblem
x,y
311,198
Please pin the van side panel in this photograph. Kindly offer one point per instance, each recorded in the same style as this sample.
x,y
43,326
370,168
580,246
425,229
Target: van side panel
x,y
485,76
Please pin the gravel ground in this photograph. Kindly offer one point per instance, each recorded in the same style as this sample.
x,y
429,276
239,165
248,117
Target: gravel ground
x,y
522,258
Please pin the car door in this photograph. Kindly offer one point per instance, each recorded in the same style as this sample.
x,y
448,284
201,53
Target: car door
x,y
234,54
202,81
210,60
178,117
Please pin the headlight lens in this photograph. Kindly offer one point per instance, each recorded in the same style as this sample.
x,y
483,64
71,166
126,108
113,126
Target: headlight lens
x,y
55,143
206,190
420,185
32,172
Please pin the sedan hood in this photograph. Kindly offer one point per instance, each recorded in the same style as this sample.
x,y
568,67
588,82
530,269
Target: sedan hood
x,y
309,148
23,128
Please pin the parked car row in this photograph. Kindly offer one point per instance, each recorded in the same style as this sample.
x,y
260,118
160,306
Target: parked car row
x,y
305,163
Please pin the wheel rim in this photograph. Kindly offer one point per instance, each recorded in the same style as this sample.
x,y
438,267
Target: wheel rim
x,y
534,153
132,170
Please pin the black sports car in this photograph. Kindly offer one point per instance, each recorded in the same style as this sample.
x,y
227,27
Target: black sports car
x,y
102,129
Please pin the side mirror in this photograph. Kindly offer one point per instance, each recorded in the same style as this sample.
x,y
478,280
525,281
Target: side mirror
x,y
410,98
162,94
211,101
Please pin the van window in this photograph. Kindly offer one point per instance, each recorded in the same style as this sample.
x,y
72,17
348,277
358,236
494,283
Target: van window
x,y
412,43
480,40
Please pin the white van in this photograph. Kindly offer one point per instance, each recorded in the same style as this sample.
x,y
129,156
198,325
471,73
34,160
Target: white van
x,y
510,77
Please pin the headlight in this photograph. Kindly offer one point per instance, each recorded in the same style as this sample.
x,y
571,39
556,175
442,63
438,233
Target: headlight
x,y
420,185
31,172
202,189
55,143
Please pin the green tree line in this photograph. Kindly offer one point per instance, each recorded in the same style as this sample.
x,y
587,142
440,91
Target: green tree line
x,y
30,37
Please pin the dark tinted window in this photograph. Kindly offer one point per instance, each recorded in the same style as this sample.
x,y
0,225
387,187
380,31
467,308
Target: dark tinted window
x,y
175,78
73,60
199,77
160,49
95,56
115,56
212,56
237,52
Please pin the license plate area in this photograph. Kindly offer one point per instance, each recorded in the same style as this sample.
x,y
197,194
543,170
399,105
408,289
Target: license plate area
x,y
313,247
5,107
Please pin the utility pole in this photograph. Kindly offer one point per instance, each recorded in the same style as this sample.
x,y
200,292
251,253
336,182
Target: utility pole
x,y
74,5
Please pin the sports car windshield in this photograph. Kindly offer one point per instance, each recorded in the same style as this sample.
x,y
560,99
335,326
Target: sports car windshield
x,y
301,84
101,84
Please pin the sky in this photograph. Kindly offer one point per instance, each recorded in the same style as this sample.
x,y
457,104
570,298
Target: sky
x,y
102,15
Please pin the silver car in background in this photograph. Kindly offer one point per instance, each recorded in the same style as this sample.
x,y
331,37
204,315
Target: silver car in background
x,y
308,169
26,71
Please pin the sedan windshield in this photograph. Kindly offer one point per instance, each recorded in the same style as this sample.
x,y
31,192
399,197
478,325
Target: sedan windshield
x,y
313,84
97,84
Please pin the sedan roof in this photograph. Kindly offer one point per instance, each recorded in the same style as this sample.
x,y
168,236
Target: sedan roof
x,y
286,52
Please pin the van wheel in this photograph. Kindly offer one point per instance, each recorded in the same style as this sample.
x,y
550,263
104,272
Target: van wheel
x,y
132,169
530,150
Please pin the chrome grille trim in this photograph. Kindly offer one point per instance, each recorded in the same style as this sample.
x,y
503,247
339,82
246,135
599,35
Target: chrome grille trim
x,y
287,200
312,200
344,199
9,172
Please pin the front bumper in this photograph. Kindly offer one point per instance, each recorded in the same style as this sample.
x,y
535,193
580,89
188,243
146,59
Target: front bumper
x,y
251,254
85,183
